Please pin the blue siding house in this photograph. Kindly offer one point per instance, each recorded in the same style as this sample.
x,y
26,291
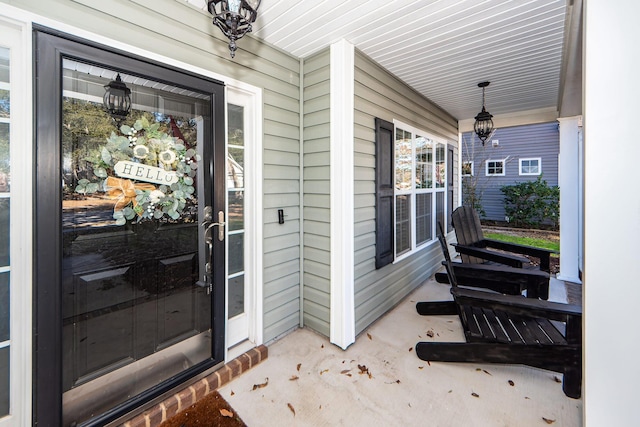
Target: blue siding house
x,y
512,155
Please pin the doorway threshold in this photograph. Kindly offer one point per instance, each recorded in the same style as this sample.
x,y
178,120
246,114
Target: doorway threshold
x,y
191,393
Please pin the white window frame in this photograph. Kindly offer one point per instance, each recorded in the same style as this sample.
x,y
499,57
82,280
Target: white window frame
x,y
413,191
470,163
504,167
529,159
250,98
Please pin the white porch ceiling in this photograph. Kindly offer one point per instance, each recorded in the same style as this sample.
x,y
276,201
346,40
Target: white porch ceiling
x,y
441,48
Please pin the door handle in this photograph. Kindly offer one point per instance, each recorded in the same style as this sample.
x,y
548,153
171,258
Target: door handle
x,y
220,224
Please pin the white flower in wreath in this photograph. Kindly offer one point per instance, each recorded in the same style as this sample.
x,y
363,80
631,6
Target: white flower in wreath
x,y
155,196
140,151
167,157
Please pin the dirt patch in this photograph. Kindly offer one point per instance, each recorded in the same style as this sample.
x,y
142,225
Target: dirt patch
x,y
210,411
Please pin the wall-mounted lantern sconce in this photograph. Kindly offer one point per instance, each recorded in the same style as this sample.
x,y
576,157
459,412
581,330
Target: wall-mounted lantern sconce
x,y
234,18
117,99
483,125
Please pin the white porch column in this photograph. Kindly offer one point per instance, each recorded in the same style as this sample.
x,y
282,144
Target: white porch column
x,y
342,316
569,181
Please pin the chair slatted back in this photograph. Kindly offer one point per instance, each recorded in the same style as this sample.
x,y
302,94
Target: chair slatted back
x,y
466,223
447,257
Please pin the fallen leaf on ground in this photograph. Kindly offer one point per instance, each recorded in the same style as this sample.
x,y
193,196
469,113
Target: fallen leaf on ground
x,y
486,372
322,372
511,383
298,367
322,346
294,377
410,348
428,363
369,336
264,384
364,370
430,333
420,367
292,410
226,413
548,421
232,393
556,379
345,371
475,394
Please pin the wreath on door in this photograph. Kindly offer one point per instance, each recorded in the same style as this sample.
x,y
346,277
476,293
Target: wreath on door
x,y
149,174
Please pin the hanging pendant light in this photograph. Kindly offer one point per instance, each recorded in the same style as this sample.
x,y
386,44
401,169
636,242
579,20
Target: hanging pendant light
x,y
234,18
117,99
483,125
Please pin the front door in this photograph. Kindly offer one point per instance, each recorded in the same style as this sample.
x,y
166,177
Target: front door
x,y
130,213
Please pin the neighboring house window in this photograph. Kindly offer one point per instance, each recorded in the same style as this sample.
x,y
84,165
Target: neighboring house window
x,y
467,169
420,188
495,168
531,166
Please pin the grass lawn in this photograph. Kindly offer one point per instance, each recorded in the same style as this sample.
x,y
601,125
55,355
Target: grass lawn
x,y
521,240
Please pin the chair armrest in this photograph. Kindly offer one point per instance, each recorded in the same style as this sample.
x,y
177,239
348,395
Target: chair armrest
x,y
520,249
517,305
503,279
511,260
543,254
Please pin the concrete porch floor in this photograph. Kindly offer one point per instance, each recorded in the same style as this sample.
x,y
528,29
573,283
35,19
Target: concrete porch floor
x,y
327,386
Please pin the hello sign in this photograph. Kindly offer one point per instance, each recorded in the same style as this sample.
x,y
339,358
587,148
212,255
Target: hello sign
x,y
146,173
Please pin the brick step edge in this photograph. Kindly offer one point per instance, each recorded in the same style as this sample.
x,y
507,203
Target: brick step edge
x,y
186,397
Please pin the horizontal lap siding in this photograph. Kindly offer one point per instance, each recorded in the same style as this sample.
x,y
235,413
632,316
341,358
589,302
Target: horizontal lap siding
x,y
518,142
380,94
181,32
317,213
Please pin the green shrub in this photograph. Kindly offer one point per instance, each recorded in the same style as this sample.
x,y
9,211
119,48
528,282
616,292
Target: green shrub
x,y
532,203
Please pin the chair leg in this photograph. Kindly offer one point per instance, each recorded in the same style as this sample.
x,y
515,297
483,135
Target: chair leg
x,y
437,308
572,382
544,357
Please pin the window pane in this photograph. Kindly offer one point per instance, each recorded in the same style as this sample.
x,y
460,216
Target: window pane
x,y
4,307
4,232
403,160
423,218
236,253
236,124
235,168
440,208
4,381
403,224
5,166
440,166
236,296
236,210
424,162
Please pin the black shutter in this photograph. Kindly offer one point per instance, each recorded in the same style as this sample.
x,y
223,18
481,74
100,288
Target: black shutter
x,y
384,192
450,189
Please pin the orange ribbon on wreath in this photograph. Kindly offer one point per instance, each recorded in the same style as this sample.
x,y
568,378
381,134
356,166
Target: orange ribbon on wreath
x,y
124,191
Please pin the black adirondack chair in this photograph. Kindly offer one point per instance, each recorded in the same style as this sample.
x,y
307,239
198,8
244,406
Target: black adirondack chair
x,y
475,248
508,329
